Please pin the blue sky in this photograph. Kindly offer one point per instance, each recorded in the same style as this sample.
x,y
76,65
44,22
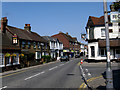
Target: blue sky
x,y
48,18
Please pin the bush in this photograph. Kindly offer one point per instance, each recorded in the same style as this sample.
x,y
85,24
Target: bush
x,y
47,58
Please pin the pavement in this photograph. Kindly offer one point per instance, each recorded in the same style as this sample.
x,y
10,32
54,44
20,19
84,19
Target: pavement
x,y
99,82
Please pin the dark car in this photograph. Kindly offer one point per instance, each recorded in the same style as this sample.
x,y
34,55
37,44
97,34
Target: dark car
x,y
64,58
77,56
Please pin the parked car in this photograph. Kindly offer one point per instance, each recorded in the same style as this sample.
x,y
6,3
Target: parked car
x,y
77,56
64,58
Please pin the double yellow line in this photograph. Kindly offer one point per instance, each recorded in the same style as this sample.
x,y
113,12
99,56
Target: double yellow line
x,y
83,85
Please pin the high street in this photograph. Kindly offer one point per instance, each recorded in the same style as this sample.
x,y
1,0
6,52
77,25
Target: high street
x,y
57,75
54,75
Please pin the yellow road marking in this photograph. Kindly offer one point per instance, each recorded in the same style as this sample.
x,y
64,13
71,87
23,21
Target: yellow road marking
x,y
78,64
83,85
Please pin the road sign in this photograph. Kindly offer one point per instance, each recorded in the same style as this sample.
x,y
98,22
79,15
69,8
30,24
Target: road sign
x,y
115,17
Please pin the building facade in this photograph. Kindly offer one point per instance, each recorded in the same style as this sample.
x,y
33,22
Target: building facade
x,y
31,45
56,47
70,44
97,39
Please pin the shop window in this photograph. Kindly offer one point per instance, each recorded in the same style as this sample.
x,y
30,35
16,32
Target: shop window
x,y
1,59
117,51
7,60
103,52
14,59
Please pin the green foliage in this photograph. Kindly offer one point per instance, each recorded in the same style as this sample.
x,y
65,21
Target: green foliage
x,y
7,55
116,5
46,58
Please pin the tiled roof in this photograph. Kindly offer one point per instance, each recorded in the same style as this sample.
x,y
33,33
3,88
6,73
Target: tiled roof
x,y
48,38
26,35
7,43
92,21
68,37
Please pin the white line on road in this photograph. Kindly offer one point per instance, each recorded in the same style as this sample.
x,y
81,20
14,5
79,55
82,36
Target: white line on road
x,y
34,75
61,64
3,87
53,68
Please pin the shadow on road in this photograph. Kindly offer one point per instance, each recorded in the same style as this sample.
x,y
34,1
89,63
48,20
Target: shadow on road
x,y
116,80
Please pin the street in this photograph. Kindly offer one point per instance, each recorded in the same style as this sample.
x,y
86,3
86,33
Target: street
x,y
55,75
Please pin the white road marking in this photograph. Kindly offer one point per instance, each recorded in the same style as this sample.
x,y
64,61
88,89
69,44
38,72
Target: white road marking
x,y
34,75
86,70
89,74
3,87
61,64
53,68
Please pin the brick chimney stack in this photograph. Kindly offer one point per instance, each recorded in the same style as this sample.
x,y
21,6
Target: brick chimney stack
x,y
3,24
27,27
67,33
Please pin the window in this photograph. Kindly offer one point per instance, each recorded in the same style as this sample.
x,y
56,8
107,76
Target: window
x,y
38,45
102,32
119,30
103,52
110,30
14,59
117,51
23,44
92,51
1,59
7,60
34,45
29,45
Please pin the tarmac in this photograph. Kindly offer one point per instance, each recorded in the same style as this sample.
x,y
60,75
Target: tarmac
x,y
99,83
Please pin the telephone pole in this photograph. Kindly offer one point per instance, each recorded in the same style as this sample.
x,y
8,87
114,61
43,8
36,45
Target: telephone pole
x,y
108,68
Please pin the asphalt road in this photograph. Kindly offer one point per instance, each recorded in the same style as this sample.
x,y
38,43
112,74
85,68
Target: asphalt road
x,y
53,75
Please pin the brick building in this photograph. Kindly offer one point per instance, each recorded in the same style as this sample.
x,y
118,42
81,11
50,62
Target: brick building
x,y
31,45
70,44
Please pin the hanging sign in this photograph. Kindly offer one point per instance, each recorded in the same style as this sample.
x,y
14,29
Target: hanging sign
x,y
15,39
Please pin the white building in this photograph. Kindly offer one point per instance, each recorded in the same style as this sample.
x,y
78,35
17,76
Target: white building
x,y
56,47
97,41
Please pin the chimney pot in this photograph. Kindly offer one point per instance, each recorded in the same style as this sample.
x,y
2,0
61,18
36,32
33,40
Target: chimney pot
x,y
67,33
3,24
27,27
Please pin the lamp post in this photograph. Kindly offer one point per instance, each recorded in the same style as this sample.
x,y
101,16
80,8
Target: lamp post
x,y
108,70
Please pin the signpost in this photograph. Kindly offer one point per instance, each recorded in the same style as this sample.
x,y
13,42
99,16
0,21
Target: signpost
x,y
108,68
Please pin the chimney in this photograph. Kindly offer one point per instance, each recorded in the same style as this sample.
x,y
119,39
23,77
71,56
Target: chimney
x,y
67,33
27,27
3,24
60,32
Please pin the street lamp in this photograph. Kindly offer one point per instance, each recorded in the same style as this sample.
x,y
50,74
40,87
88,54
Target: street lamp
x,y
108,70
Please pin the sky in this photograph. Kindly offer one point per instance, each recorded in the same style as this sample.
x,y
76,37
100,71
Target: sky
x,y
48,18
